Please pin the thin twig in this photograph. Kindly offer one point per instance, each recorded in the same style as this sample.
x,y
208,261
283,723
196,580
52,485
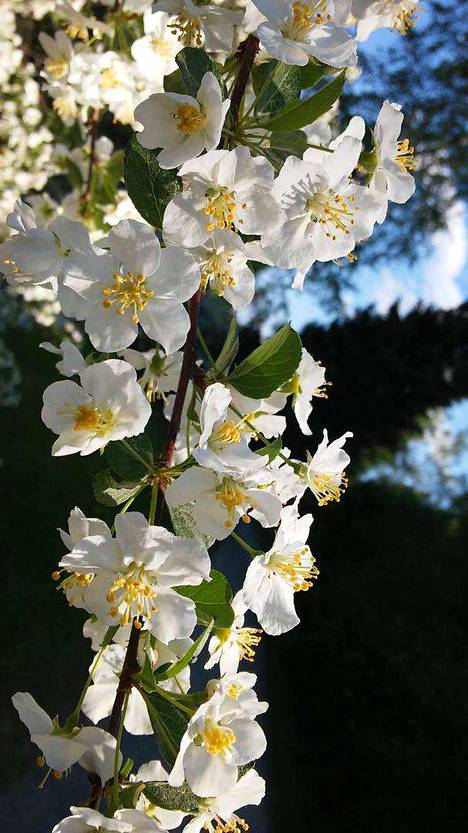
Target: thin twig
x,y
92,124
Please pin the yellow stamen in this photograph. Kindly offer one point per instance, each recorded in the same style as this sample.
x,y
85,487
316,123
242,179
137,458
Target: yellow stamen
x,y
405,155
221,208
98,420
188,30
128,293
296,568
189,119
333,211
217,272
217,739
327,487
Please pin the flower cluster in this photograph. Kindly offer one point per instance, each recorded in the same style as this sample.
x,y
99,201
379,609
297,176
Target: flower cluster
x,y
222,173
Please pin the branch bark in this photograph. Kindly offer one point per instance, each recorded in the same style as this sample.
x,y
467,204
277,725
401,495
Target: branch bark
x,y
249,49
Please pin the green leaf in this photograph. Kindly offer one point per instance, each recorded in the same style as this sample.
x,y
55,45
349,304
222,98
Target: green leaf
x,y
229,349
302,113
212,600
276,85
128,796
186,658
272,450
269,366
106,178
174,83
149,187
111,492
184,523
130,458
283,145
193,63
146,676
169,724
312,73
171,798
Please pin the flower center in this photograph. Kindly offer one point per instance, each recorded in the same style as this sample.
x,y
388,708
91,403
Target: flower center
x,y
405,17
247,640
128,292
73,583
164,47
56,67
98,420
327,487
405,156
226,433
65,107
187,29
77,30
189,119
332,211
296,568
132,595
217,739
221,208
234,825
232,496
217,271
306,15
109,80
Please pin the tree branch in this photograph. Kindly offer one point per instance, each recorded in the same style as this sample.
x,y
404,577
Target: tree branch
x,y
248,50
86,196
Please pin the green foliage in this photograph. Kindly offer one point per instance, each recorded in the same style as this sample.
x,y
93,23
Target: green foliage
x,y
229,349
149,187
171,798
212,600
193,64
111,492
106,178
169,724
131,458
187,657
301,113
272,449
275,85
269,366
312,73
184,523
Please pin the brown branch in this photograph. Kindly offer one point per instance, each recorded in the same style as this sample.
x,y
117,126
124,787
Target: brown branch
x,y
92,125
129,668
184,379
248,50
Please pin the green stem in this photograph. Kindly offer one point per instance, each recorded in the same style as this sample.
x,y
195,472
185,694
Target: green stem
x,y
115,783
153,503
262,89
137,456
73,719
253,553
205,348
174,700
259,435
131,499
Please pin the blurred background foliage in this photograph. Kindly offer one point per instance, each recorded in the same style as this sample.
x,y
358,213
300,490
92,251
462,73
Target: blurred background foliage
x,y
368,718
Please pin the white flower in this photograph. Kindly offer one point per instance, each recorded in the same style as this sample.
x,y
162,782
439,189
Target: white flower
x,y
100,696
154,771
136,283
60,55
93,748
85,820
31,256
71,361
138,821
395,159
220,737
223,445
221,500
36,256
181,125
324,213
223,263
79,24
109,405
296,31
222,190
205,25
134,575
324,472
230,645
273,578
379,14
221,809
160,372
307,382
239,691
155,53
